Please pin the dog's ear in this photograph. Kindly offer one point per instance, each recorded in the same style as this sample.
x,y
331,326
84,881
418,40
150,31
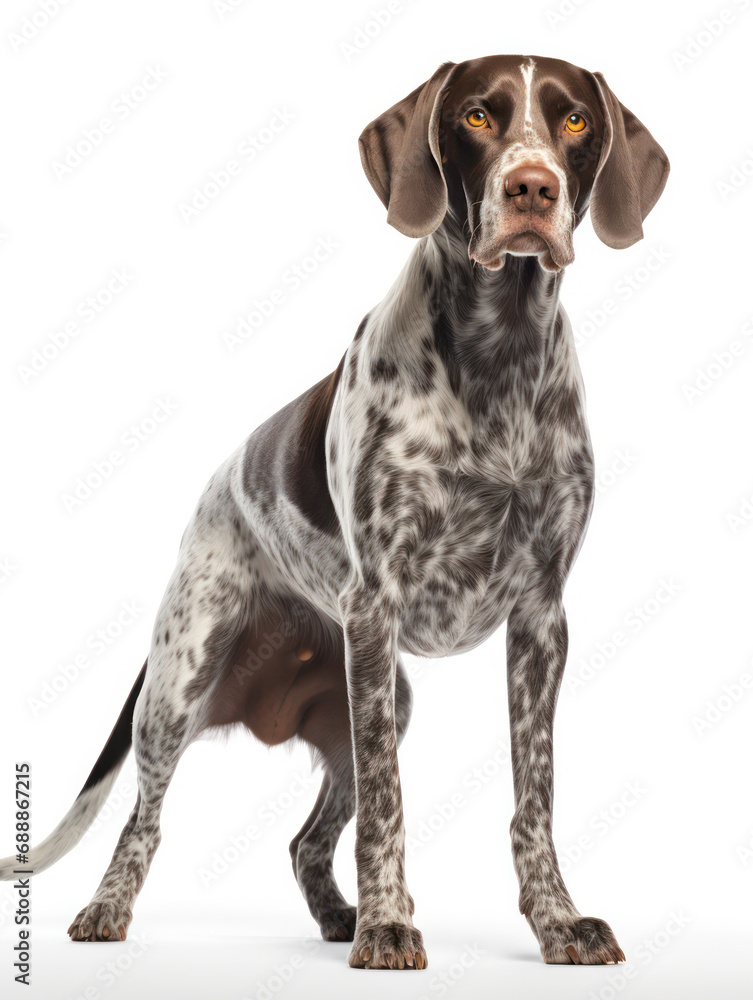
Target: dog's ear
x,y
630,176
401,157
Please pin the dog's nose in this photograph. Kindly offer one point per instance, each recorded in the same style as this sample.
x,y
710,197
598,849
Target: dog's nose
x,y
533,186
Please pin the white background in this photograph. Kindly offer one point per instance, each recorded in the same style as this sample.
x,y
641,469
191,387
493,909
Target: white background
x,y
678,848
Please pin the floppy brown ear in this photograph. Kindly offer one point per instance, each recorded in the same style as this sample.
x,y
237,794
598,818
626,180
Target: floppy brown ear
x,y
631,174
401,157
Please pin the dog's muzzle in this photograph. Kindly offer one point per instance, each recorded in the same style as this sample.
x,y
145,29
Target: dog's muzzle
x,y
524,212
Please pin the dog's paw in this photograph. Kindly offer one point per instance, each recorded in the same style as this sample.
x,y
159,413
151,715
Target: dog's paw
x,y
390,946
338,925
580,941
101,921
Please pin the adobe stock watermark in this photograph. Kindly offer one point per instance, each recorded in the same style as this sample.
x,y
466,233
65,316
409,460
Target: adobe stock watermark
x,y
744,851
30,26
442,982
95,644
256,658
206,192
710,31
122,956
283,973
84,314
738,176
633,623
415,669
646,951
266,816
600,825
364,33
7,569
556,16
718,708
23,950
243,327
130,441
621,463
224,7
711,373
472,782
120,109
123,794
741,516
623,291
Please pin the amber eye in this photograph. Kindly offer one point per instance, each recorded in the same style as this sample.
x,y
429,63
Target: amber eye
x,y
477,118
576,123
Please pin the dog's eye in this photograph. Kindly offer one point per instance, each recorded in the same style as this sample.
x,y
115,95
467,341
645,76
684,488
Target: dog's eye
x,y
477,118
576,123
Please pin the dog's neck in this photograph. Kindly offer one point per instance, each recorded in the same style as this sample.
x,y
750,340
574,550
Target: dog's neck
x,y
522,288
493,328
496,332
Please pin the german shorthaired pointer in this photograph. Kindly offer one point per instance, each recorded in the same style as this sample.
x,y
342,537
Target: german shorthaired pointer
x,y
438,483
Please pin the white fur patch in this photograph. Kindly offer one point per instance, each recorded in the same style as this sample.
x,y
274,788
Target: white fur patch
x,y
527,70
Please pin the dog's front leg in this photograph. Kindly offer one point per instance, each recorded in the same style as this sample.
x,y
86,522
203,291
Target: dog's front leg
x,y
536,652
385,937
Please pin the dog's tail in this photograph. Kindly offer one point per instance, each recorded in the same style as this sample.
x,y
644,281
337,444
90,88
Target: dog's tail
x,y
90,799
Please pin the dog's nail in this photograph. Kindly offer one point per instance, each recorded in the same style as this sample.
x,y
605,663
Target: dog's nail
x,y
408,959
366,954
106,932
420,963
122,932
572,954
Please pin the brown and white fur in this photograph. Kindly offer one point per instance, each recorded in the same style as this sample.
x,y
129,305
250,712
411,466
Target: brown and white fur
x,y
437,484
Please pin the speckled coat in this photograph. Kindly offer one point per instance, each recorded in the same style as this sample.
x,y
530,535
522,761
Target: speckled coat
x,y
436,485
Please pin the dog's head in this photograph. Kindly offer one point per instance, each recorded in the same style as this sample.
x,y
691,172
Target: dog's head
x,y
520,146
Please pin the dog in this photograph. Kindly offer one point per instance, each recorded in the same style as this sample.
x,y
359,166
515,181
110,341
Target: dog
x,y
435,485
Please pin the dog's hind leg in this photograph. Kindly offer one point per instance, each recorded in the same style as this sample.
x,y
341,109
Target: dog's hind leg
x,y
204,609
157,748
313,849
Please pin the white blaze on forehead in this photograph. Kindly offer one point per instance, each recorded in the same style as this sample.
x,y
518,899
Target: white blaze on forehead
x,y
527,70
497,217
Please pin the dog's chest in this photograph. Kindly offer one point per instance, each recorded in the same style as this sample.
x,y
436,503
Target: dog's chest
x,y
458,554
444,502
